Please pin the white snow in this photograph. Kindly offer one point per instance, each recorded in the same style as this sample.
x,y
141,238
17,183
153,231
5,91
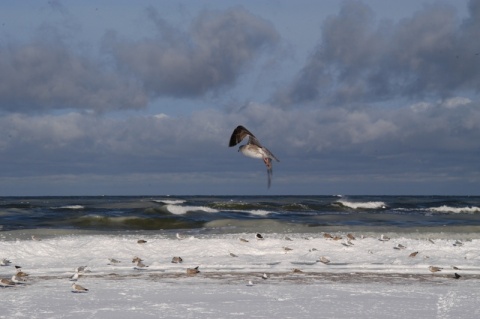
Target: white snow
x,y
369,279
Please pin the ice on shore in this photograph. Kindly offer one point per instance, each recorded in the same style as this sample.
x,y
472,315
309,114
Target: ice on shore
x,y
368,279
59,255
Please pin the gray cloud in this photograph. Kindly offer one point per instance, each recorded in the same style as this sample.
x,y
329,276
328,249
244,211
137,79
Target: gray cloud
x,y
83,143
46,74
430,54
49,72
210,55
421,143
427,141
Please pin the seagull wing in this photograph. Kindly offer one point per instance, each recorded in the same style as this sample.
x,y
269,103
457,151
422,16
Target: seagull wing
x,y
83,288
239,133
269,154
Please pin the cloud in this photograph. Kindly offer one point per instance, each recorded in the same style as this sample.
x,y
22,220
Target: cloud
x,y
49,72
210,55
315,146
160,142
402,96
46,74
430,54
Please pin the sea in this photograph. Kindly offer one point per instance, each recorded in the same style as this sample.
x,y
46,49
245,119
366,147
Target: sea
x,y
130,247
203,215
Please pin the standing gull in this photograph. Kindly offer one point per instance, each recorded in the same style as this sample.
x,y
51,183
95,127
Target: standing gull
x,y
253,148
18,280
78,288
434,268
113,261
140,265
80,268
21,273
193,271
5,262
136,259
384,238
4,282
75,276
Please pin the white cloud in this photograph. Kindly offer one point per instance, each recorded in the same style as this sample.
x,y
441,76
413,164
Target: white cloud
x,y
456,102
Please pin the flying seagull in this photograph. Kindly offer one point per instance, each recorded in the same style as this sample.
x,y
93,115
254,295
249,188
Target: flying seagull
x,y
253,148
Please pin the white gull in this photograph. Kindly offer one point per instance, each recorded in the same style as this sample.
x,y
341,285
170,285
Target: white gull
x,y
253,149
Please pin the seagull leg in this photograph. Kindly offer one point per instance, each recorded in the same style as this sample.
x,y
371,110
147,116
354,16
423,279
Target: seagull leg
x,y
268,162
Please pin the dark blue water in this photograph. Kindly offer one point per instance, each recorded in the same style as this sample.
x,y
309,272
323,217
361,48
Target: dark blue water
x,y
226,213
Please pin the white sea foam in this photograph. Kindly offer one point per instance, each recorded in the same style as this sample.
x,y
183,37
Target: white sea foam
x,y
458,210
258,212
362,205
181,210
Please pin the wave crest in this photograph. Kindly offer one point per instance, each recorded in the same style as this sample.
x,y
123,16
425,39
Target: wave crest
x,y
362,205
169,201
457,210
181,210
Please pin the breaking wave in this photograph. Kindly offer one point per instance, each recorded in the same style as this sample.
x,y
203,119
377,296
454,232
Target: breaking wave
x,y
457,210
181,210
362,205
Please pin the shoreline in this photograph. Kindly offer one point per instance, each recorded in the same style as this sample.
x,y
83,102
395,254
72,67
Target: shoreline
x,y
235,278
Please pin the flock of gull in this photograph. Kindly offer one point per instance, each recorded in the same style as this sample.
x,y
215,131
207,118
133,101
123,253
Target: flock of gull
x,y
20,277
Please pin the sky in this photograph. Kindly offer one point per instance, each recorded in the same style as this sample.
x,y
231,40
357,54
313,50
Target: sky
x,y
141,97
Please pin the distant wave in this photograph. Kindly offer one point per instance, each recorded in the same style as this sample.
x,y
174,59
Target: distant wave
x,y
362,205
458,210
169,201
181,210
71,207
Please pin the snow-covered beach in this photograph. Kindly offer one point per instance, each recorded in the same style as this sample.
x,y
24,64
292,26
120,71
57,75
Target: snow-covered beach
x,y
363,277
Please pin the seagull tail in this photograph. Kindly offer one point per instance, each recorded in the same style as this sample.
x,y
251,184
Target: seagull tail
x,y
269,176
